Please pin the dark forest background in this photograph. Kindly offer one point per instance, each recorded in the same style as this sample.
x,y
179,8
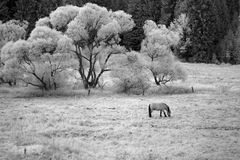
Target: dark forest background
x,y
214,24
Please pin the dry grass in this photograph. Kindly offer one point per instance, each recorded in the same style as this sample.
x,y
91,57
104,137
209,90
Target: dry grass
x,y
204,124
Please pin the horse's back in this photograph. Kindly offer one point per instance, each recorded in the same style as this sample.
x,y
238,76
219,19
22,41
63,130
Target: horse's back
x,y
158,106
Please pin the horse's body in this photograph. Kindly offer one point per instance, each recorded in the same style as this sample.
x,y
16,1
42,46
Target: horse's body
x,y
162,107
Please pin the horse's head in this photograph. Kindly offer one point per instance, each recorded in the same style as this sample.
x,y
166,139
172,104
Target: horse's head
x,y
169,114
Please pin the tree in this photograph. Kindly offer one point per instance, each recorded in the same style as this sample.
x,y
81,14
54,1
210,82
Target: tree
x,y
211,23
167,12
95,35
4,10
156,50
129,73
141,10
12,30
180,8
181,26
235,52
39,61
227,22
203,34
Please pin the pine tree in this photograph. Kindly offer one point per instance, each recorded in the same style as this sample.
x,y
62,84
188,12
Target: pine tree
x,y
141,10
4,10
167,11
204,31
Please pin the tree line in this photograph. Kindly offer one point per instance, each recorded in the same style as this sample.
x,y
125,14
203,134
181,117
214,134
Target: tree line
x,y
211,37
85,42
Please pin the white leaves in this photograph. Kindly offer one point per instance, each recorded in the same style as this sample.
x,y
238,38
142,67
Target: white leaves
x,y
156,51
125,20
45,53
40,47
47,40
93,16
108,30
88,34
109,53
23,24
20,49
43,40
180,24
130,73
160,34
77,32
63,15
149,26
163,36
44,22
11,69
64,44
43,32
12,31
6,51
179,72
88,22
16,49
158,40
12,55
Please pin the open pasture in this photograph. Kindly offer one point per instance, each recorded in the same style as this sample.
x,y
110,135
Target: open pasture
x,y
204,124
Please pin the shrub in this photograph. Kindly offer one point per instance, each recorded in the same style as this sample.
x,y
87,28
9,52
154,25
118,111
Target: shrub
x,y
130,75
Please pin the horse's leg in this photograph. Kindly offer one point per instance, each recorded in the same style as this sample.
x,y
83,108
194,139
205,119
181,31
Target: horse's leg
x,y
164,114
160,113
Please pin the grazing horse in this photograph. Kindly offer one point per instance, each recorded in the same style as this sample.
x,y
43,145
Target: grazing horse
x,y
159,107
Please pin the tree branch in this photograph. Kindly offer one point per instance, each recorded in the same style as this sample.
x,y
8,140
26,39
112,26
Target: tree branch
x,y
79,55
27,82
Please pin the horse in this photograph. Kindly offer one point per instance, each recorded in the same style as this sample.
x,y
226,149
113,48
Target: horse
x,y
162,107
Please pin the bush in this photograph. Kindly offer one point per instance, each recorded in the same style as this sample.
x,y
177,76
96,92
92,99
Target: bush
x,y
130,75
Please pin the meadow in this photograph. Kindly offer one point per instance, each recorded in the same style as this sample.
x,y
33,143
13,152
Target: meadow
x,y
107,125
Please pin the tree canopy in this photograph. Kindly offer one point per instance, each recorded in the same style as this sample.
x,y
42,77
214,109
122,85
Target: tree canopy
x,y
40,60
211,21
94,32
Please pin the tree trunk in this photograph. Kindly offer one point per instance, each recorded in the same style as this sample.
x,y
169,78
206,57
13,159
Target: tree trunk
x,y
156,81
85,83
55,85
10,83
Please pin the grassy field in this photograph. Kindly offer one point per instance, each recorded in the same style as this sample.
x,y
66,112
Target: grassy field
x,y
204,124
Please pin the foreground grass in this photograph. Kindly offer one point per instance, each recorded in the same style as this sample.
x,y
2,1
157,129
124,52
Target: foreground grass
x,y
204,124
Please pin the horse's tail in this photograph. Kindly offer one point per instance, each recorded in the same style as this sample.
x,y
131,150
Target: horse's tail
x,y
149,110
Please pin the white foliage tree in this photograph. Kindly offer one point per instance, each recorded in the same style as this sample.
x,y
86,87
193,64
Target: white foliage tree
x,y
157,53
129,73
181,26
39,61
12,30
60,18
95,35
